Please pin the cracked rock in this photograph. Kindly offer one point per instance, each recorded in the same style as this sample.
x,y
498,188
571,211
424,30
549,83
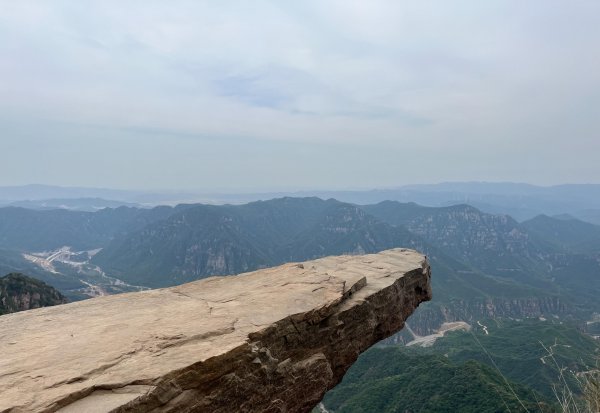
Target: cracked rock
x,y
273,340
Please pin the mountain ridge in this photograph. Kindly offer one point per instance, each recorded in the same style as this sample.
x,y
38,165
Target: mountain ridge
x,y
485,264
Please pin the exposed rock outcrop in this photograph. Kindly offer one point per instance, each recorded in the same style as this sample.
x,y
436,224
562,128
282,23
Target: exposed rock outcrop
x,y
428,318
273,340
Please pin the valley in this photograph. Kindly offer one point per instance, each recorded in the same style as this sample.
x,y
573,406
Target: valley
x,y
76,264
75,269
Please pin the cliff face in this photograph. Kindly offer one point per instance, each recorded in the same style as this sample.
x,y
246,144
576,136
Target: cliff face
x,y
428,319
273,340
19,292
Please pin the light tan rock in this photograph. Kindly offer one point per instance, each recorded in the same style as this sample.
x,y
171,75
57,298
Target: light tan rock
x,y
273,340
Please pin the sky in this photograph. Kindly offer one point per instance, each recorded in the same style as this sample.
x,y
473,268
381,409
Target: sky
x,y
287,95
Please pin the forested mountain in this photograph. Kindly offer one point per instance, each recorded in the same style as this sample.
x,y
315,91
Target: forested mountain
x,y
206,240
552,277
496,244
484,264
39,230
19,292
400,380
570,235
501,365
530,351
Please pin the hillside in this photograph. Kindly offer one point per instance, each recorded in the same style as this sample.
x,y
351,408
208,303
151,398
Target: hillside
x,y
537,276
496,244
468,371
517,350
208,240
485,265
19,292
572,235
399,380
41,230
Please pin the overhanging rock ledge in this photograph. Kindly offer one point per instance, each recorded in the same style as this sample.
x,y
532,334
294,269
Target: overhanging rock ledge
x,y
273,340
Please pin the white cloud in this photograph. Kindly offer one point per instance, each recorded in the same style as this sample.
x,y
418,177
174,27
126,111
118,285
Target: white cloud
x,y
395,74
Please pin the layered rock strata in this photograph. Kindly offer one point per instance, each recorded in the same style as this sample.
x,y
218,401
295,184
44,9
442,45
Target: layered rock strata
x,y
273,340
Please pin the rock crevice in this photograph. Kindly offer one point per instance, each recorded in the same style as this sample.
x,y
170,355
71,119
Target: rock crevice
x,y
273,340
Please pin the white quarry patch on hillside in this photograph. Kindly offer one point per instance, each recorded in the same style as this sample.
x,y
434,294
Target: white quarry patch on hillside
x,y
429,340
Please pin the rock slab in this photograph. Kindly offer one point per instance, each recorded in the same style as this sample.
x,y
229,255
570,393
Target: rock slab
x,y
273,340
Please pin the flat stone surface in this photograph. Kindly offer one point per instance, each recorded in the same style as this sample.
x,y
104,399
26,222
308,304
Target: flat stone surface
x,y
201,345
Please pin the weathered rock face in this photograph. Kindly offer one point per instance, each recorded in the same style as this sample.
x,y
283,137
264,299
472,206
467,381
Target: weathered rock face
x,y
273,340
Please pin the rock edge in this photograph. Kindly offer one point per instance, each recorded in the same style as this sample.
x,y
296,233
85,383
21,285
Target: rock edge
x,y
273,340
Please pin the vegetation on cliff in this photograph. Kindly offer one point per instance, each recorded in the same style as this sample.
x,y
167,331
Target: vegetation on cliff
x,y
397,379
500,365
19,292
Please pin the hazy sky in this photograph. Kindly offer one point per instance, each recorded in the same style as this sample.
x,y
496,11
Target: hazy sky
x,y
298,94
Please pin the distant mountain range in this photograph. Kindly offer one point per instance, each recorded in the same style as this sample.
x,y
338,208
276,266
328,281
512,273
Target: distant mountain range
x,y
521,201
39,230
73,204
9,194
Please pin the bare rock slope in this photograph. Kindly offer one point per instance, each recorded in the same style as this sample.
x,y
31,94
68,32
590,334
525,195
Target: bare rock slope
x,y
273,340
